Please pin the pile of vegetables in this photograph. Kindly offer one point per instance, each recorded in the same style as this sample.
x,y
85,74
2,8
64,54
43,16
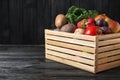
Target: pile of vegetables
x,y
87,22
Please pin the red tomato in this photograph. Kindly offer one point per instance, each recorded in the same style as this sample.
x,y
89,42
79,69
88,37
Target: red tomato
x,y
90,24
92,30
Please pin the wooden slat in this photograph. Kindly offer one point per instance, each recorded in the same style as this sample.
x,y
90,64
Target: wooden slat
x,y
70,57
108,42
108,59
108,66
73,41
71,63
71,46
72,52
71,35
108,48
109,53
108,36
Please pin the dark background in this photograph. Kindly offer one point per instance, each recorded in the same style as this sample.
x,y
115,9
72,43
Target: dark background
x,y
24,21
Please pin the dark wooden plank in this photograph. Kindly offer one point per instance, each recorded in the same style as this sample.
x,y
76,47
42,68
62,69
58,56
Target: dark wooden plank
x,y
43,18
15,21
29,21
98,5
4,28
20,21
75,2
102,6
114,9
87,4
40,20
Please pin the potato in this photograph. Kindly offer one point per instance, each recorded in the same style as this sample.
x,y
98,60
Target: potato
x,y
60,20
68,28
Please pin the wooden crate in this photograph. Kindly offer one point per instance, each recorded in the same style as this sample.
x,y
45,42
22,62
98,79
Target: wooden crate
x,y
90,53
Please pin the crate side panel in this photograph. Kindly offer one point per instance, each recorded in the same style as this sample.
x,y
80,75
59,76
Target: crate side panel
x,y
109,48
71,57
109,59
109,53
59,47
71,52
108,36
107,66
70,35
109,42
71,46
71,40
71,63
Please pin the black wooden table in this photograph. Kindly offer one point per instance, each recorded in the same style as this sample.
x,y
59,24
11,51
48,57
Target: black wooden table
x,y
29,63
